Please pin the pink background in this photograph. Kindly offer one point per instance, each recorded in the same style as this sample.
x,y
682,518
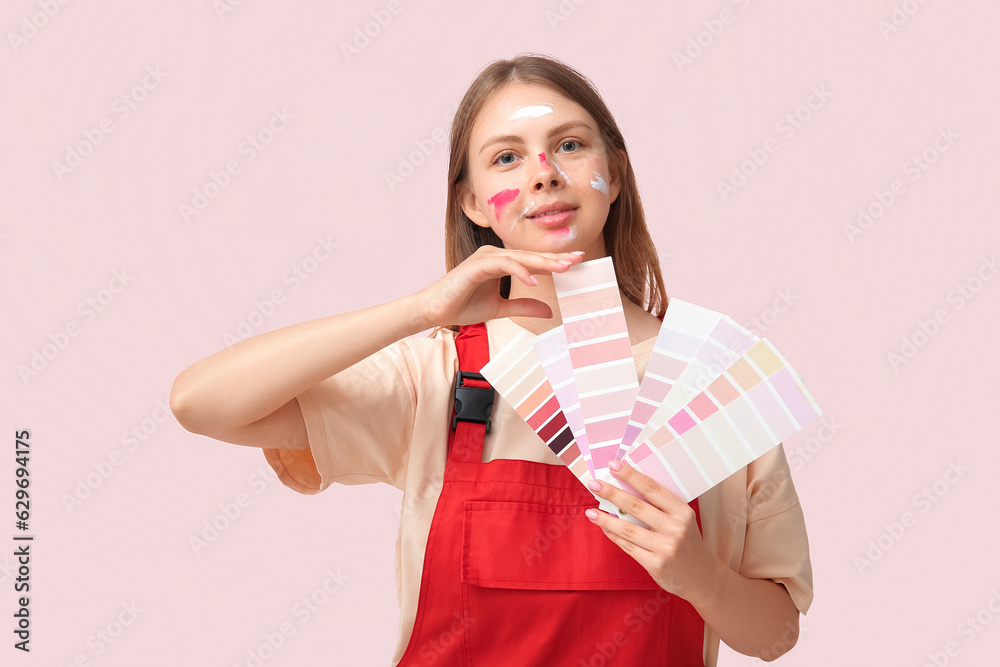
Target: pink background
x,y
775,250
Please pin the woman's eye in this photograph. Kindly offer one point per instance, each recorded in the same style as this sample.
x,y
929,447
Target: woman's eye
x,y
569,146
502,159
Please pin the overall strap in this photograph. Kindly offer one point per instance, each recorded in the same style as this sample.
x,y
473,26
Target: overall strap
x,y
470,421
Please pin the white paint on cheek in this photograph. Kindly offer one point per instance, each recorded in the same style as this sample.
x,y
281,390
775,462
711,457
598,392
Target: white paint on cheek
x,y
522,214
532,111
599,183
555,165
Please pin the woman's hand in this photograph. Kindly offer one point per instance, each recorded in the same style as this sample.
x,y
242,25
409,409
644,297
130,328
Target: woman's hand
x,y
470,292
753,616
671,549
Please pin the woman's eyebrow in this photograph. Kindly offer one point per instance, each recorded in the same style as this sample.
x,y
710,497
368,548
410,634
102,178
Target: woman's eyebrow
x,y
514,139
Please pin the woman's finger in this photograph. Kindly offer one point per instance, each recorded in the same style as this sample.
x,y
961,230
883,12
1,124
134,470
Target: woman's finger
x,y
637,542
524,308
657,494
643,511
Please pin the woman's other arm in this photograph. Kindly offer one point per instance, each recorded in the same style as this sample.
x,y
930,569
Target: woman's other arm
x,y
245,393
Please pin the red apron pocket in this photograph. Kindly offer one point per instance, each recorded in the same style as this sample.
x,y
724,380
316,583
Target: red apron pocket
x,y
543,547
542,585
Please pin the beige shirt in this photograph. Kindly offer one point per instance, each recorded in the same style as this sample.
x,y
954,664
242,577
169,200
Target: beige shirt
x,y
385,419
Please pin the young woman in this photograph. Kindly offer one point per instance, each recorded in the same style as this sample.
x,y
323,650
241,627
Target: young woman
x,y
502,557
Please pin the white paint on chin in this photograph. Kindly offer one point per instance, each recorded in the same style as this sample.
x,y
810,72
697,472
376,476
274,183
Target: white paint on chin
x,y
532,111
599,183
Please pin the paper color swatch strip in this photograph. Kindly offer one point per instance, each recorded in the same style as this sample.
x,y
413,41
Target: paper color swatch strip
x,y
726,342
517,373
553,352
682,333
601,354
754,405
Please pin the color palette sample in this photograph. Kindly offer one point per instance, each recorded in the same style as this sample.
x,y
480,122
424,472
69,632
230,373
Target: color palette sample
x,y
600,352
553,352
683,331
751,407
517,373
714,397
726,342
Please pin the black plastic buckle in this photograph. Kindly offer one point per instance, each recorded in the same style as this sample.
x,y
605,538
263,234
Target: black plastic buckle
x,y
472,404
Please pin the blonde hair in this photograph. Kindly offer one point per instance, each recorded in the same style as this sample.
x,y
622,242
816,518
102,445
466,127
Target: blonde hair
x,y
626,237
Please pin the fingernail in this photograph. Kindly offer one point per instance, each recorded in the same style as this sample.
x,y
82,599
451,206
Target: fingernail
x,y
577,252
591,514
534,280
565,262
594,485
614,465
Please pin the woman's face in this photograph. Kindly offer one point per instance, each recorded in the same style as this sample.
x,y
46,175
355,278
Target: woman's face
x,y
539,174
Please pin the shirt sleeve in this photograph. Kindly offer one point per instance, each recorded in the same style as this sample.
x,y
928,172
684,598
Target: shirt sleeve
x,y
360,422
776,545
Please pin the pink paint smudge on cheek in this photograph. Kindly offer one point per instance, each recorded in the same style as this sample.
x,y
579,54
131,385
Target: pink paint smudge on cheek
x,y
541,158
500,200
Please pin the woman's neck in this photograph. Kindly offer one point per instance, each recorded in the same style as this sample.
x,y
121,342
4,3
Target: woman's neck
x,y
545,292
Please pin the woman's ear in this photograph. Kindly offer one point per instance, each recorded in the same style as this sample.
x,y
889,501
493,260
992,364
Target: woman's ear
x,y
616,165
471,207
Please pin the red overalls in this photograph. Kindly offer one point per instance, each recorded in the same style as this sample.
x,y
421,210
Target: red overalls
x,y
515,575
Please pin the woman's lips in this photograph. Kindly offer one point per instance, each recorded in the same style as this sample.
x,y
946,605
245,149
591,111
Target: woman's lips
x,y
553,219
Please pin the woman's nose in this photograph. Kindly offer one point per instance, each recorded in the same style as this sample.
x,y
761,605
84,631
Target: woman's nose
x,y
547,174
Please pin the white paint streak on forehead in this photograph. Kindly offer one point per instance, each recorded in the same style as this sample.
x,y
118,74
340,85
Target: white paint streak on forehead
x,y
531,111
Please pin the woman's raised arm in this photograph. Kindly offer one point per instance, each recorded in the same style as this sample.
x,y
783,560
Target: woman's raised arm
x,y
245,393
